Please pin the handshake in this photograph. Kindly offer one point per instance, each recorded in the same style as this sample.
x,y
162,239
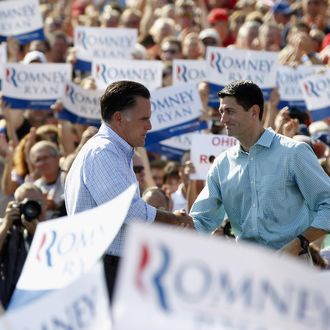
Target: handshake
x,y
183,219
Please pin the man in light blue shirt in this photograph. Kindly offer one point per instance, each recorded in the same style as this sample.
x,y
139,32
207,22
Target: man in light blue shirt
x,y
272,187
103,168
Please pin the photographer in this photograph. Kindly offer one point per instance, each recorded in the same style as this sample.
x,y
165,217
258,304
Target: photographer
x,y
16,232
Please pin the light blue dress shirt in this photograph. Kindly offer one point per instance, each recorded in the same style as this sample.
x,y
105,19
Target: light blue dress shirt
x,y
270,194
101,171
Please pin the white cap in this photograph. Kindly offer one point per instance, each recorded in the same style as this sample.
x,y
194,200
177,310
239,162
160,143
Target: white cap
x,y
209,33
34,56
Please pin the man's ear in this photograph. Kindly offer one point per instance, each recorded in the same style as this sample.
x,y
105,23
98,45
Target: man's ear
x,y
255,110
117,117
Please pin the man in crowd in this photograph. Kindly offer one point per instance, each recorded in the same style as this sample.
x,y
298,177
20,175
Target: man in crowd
x,y
103,168
45,158
16,232
272,187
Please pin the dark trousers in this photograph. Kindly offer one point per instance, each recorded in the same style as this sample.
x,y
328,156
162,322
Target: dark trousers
x,y
111,265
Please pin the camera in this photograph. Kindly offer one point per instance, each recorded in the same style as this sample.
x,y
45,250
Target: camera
x,y
30,209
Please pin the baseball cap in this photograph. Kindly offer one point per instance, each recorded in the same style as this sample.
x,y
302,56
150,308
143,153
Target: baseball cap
x,y
34,56
282,7
209,33
218,15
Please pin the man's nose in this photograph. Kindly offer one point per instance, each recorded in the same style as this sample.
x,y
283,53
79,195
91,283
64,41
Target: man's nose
x,y
149,126
223,118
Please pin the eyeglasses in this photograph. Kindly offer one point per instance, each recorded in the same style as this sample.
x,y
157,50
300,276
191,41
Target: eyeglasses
x,y
138,169
171,51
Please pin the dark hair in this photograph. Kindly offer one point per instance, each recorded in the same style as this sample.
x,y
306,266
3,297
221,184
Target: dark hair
x,y
296,113
120,96
246,93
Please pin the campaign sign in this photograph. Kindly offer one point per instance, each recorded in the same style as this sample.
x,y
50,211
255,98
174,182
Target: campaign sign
x,y
22,20
84,304
204,149
175,111
227,65
173,148
81,106
3,59
316,92
288,84
65,248
34,86
148,73
102,43
214,284
188,71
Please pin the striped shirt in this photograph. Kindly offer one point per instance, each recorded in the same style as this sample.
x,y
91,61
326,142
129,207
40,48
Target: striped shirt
x,y
101,171
271,194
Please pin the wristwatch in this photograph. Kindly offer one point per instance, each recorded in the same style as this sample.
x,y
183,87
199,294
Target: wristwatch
x,y
304,243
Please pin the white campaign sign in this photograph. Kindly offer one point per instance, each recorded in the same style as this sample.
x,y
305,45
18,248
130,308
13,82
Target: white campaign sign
x,y
81,102
84,304
65,248
182,142
316,92
148,73
174,105
175,111
214,284
188,71
288,81
104,43
22,19
3,59
34,85
3,54
204,149
226,65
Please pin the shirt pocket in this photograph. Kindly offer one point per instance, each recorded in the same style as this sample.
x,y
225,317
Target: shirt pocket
x,y
272,191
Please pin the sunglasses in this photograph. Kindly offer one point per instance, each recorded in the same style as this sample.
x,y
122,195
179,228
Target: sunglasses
x,y
138,169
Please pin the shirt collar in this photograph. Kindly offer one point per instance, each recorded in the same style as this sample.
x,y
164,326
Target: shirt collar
x,y
265,140
121,143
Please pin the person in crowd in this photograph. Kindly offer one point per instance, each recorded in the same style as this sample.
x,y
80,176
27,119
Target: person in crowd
x,y
163,27
157,171
314,14
45,158
16,232
269,37
210,37
219,20
58,47
103,168
192,47
170,49
282,12
273,189
247,35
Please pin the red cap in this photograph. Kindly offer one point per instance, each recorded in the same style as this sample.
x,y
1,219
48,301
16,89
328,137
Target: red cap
x,y
218,15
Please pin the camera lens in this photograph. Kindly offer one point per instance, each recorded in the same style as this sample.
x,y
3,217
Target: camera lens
x,y
30,209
